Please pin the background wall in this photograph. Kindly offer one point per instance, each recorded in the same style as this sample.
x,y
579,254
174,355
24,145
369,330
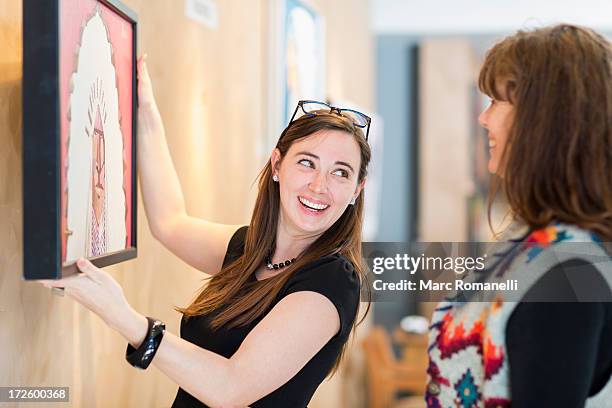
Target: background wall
x,y
446,118
211,89
483,16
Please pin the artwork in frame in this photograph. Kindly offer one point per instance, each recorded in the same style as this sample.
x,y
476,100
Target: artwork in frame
x,y
304,55
79,135
296,65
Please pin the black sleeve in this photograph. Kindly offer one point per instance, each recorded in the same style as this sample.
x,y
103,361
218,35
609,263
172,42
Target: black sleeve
x,y
235,247
554,348
335,278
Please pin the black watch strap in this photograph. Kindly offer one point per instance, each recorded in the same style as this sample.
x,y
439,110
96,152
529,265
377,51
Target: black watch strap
x,y
143,355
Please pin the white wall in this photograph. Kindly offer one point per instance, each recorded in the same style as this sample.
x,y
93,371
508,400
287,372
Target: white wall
x,y
484,16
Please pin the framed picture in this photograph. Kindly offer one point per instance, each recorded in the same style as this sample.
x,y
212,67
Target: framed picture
x,y
304,56
79,135
296,65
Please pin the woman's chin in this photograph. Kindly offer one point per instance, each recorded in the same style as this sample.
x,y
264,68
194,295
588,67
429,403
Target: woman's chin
x,y
311,225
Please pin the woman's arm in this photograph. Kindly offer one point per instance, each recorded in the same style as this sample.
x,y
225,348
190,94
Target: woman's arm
x,y
552,351
275,350
553,346
202,244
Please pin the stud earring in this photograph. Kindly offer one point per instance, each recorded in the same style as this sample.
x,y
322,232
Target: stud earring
x,y
275,178
353,201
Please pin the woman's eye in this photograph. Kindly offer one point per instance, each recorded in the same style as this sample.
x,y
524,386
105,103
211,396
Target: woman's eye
x,y
306,162
341,173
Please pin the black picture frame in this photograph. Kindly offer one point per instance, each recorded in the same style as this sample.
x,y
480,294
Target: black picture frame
x,y
42,235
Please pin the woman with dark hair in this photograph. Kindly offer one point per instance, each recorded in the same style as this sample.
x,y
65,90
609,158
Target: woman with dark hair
x,y
282,300
549,125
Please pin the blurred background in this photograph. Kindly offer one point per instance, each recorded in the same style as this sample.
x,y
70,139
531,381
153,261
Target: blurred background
x,y
227,75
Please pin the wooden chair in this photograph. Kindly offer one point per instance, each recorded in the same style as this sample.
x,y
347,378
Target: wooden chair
x,y
387,376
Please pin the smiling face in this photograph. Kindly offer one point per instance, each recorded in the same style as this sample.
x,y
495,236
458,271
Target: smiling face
x,y
497,119
318,177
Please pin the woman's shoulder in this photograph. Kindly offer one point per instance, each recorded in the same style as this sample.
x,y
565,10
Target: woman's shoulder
x,y
568,261
561,232
552,233
561,242
332,275
331,268
235,247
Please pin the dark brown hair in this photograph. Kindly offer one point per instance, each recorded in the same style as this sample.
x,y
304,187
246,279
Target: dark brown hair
x,y
557,163
241,300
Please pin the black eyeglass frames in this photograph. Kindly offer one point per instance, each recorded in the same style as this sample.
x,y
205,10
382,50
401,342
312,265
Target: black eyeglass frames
x,y
311,108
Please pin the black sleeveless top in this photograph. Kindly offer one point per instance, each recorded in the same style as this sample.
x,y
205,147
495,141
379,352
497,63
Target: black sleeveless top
x,y
332,276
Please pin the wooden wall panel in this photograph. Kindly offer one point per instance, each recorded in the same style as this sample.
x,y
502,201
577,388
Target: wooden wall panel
x,y
210,86
445,178
445,92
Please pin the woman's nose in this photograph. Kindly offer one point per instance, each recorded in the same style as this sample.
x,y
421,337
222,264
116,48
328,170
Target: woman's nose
x,y
482,118
319,182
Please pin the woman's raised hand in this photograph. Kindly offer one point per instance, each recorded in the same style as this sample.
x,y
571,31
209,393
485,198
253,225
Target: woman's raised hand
x,y
149,118
145,90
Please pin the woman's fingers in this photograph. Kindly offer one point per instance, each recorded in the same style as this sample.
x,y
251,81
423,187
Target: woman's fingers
x,y
95,289
86,266
141,67
88,272
91,271
145,89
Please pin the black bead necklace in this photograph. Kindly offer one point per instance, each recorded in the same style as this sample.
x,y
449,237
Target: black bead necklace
x,y
270,265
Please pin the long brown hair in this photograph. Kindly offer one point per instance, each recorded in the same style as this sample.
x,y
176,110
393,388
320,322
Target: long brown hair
x,y
557,163
241,300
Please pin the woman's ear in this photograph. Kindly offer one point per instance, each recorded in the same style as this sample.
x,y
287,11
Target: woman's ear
x,y
360,187
275,159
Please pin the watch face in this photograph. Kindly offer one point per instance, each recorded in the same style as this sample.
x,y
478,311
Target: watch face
x,y
96,118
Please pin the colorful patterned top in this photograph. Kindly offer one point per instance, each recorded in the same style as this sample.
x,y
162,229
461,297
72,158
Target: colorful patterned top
x,y
468,353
